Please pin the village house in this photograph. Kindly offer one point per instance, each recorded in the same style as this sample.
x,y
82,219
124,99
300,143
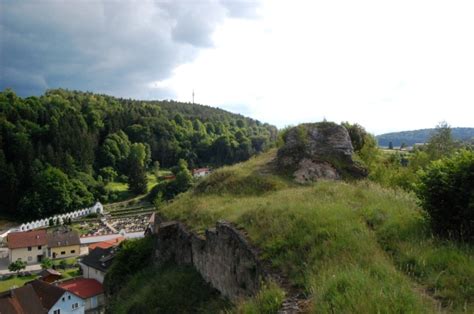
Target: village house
x,y
201,172
29,246
106,244
21,300
95,264
63,243
40,297
90,290
56,300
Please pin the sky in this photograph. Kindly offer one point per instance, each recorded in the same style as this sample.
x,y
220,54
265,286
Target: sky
x,y
387,65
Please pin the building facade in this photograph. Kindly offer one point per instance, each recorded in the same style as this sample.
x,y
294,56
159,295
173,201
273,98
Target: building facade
x,y
30,246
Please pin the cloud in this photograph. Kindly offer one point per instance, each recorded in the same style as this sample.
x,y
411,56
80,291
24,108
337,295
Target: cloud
x,y
388,66
105,46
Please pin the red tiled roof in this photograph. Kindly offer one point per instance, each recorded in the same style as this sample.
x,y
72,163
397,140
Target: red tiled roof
x,y
23,300
82,287
106,244
18,240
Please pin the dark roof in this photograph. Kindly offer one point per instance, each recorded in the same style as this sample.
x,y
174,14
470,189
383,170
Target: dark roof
x,y
83,287
100,258
48,294
49,272
25,239
63,237
21,300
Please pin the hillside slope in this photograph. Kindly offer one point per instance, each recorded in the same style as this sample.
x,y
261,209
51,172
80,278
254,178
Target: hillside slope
x,y
349,247
75,141
420,136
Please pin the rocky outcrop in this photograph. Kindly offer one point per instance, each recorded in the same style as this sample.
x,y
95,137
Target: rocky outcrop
x,y
318,150
223,257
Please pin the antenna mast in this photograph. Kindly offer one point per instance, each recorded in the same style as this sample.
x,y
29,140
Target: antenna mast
x,y
193,96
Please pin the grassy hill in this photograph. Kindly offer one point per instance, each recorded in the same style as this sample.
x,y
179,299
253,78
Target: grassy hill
x,y
349,247
420,136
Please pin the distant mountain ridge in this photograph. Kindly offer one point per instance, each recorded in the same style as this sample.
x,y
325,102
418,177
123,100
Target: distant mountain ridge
x,y
420,136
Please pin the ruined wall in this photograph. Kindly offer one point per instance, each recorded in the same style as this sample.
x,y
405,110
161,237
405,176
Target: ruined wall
x,y
223,257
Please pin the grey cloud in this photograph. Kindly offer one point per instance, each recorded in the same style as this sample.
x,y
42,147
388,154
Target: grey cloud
x,y
241,8
104,46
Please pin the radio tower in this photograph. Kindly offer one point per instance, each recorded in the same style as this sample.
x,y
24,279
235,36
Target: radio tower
x,y
193,96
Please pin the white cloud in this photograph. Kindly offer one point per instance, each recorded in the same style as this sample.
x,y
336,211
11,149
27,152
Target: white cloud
x,y
387,65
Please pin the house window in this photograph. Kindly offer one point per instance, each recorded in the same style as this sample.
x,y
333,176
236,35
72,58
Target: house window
x,y
73,251
63,252
58,311
75,306
39,247
64,299
69,297
29,248
30,258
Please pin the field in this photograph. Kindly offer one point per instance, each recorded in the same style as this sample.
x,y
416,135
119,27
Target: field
x,y
120,189
338,242
15,282
18,281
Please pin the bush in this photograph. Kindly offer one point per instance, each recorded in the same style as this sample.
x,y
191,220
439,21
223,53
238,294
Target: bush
x,y
446,191
132,256
172,289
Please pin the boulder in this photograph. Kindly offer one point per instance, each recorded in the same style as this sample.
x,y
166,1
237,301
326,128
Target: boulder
x,y
321,150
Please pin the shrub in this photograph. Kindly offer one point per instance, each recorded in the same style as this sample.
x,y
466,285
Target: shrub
x,y
132,256
267,301
446,191
17,266
171,289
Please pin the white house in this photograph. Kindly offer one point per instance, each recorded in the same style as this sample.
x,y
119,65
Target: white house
x,y
95,264
57,300
89,290
201,172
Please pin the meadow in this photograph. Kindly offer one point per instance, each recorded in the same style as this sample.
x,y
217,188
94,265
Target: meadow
x,y
348,246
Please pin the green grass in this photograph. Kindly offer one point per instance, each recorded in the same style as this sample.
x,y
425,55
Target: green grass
x,y
168,290
339,242
121,192
117,186
15,282
268,300
152,181
69,273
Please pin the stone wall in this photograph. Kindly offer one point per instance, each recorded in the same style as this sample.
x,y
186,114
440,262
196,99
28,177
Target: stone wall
x,y
223,257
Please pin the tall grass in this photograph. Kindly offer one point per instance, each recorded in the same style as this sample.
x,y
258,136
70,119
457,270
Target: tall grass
x,y
168,290
353,247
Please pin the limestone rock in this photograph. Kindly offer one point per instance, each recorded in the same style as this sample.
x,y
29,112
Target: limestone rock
x,y
319,150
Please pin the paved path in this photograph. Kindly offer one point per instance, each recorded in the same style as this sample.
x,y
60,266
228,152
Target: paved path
x,y
107,237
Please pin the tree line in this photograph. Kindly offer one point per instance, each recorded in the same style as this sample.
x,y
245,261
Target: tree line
x,y
58,151
440,173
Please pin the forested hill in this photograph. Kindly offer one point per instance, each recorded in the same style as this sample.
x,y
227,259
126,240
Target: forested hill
x,y
421,136
57,151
